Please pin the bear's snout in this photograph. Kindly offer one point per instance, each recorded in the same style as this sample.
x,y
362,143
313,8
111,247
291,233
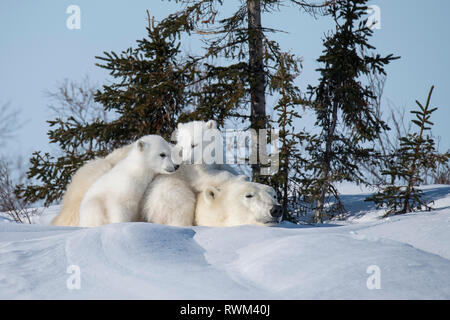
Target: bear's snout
x,y
170,169
276,211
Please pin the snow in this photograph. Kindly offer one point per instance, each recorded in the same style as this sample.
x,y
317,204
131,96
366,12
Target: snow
x,y
149,261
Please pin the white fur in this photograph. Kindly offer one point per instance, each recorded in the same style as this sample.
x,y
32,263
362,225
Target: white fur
x,y
81,181
169,199
116,195
237,202
172,199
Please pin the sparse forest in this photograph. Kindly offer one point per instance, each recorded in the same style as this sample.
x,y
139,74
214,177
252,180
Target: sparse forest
x,y
207,150
156,85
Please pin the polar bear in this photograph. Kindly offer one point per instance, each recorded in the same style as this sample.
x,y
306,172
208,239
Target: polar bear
x,y
81,181
237,202
116,195
172,199
175,193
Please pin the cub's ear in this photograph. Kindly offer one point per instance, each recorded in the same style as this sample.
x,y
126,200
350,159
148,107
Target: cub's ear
x,y
211,124
141,145
180,125
210,194
174,136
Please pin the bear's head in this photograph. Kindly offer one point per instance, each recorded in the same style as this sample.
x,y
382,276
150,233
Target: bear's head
x,y
237,202
192,140
156,154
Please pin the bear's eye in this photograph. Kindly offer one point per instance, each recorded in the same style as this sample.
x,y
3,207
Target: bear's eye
x,y
249,195
194,145
162,155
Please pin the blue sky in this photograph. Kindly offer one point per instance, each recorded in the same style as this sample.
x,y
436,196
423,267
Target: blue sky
x,y
38,51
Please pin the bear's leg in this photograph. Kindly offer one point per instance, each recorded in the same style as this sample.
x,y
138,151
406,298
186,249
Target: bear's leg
x,y
92,213
118,213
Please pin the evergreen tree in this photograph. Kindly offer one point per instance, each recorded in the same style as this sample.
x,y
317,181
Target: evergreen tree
x,y
289,180
155,87
245,58
342,106
417,153
147,98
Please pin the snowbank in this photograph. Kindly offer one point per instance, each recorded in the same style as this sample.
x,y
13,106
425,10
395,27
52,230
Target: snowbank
x,y
148,261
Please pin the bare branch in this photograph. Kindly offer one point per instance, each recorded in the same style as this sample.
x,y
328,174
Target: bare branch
x,y
10,204
76,99
10,122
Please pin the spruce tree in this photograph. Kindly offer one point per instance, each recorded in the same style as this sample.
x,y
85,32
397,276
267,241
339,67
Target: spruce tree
x,y
289,180
417,154
155,87
244,57
341,102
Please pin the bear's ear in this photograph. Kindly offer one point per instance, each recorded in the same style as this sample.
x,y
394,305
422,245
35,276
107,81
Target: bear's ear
x,y
174,136
141,145
210,194
180,125
211,124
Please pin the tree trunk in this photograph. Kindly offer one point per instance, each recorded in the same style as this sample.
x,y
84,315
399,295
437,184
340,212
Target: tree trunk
x,y
326,166
285,171
411,175
257,77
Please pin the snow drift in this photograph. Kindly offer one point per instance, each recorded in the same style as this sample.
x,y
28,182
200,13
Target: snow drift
x,y
149,261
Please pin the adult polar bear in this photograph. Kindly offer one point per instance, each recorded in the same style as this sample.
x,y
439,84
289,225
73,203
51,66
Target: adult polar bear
x,y
175,195
237,202
115,196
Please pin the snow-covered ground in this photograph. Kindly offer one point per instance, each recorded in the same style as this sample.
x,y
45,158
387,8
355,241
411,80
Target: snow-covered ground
x,y
402,257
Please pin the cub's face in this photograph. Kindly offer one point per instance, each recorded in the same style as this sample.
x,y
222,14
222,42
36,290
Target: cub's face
x,y
189,137
238,202
157,153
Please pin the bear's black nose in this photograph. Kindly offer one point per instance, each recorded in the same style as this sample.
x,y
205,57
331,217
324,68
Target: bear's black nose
x,y
176,166
276,211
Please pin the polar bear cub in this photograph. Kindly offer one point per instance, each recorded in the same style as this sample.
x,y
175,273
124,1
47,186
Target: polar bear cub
x,y
116,195
174,194
199,168
80,183
237,202
172,199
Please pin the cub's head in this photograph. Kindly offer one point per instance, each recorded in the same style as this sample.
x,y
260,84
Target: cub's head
x,y
238,202
191,140
157,153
